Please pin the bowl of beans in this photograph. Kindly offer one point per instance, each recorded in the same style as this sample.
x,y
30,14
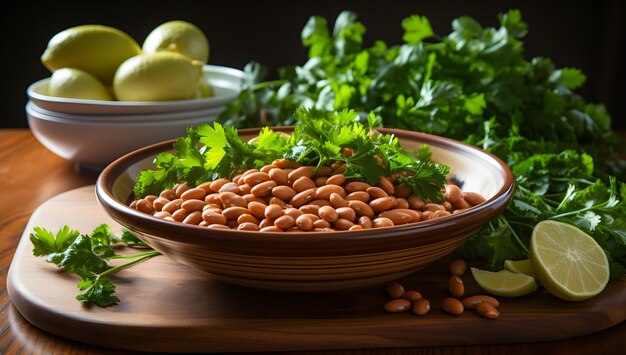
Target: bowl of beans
x,y
293,227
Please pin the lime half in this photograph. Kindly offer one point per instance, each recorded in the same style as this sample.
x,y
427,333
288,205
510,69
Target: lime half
x,y
568,262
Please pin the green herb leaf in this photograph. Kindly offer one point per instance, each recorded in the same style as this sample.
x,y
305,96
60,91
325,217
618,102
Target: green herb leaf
x,y
416,28
45,242
98,291
474,84
87,256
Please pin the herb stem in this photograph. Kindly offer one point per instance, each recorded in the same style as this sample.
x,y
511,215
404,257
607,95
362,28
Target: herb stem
x,y
579,211
115,269
517,238
582,181
150,253
266,84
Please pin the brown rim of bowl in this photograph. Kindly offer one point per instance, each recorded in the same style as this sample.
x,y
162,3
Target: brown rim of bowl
x,y
467,221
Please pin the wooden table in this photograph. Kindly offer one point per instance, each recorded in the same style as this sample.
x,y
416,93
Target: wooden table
x,y
30,174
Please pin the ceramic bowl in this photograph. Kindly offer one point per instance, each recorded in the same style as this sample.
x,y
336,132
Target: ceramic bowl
x,y
226,83
94,144
122,118
313,262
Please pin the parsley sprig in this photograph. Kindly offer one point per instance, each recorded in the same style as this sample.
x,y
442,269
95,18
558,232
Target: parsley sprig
x,y
320,138
87,256
473,84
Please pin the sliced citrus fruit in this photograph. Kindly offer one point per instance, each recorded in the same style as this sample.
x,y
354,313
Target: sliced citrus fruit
x,y
504,283
520,267
568,262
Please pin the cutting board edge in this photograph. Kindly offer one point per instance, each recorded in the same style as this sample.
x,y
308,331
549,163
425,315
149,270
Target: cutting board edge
x,y
359,336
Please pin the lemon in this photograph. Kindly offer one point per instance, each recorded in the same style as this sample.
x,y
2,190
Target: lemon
x,y
96,49
520,267
180,37
568,262
75,83
205,90
157,77
504,283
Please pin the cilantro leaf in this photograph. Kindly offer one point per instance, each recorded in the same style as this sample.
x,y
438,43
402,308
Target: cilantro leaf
x,y
79,256
572,77
86,255
45,242
130,239
98,290
416,29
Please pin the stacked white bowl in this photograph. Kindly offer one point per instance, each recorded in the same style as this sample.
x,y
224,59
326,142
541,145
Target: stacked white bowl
x,y
93,133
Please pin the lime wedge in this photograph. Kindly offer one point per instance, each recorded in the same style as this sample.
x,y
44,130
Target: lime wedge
x,y
568,262
520,267
504,283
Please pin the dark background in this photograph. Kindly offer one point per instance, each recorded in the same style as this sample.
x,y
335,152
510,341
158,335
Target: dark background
x,y
589,35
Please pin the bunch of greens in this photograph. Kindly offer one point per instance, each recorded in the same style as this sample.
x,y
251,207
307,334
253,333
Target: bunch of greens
x,y
476,86
320,138
86,255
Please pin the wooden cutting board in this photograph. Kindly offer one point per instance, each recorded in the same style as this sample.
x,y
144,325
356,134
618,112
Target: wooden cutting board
x,y
166,306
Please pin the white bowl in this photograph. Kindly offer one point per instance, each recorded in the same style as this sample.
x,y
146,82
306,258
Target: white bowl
x,y
121,118
94,144
226,83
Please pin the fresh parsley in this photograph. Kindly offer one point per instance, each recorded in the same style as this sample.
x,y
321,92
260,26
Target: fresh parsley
x,y
475,85
320,138
87,256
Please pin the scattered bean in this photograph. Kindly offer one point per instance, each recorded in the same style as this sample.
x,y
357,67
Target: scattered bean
x,y
456,286
471,301
421,307
412,296
452,306
395,289
397,305
457,267
487,310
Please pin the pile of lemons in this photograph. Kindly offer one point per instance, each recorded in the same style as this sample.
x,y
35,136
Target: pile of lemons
x,y
103,63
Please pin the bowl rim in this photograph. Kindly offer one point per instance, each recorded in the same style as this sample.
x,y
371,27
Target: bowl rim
x,y
177,232
31,93
148,118
185,121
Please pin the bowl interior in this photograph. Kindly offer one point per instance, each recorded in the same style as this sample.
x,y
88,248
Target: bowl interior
x,y
225,81
471,168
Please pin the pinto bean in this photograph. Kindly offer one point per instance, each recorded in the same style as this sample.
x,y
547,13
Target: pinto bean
x,y
337,179
303,183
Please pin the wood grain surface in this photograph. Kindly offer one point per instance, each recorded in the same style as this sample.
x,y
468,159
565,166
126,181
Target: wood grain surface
x,y
30,175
